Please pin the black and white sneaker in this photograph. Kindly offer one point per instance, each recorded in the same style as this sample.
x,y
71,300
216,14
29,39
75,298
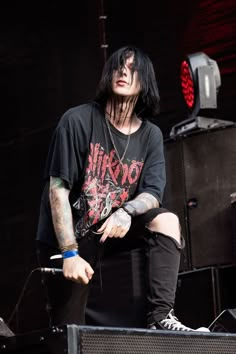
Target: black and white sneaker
x,y
172,323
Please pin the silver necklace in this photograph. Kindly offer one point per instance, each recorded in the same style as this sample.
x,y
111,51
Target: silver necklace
x,y
113,142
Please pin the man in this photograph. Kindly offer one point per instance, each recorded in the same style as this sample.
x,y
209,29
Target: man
x,y
105,177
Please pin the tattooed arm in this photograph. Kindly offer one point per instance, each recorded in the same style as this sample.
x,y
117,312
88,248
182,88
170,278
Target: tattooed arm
x,y
141,204
61,212
118,224
74,268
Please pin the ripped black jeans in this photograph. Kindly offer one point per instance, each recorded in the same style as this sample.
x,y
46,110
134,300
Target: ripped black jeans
x,y
68,299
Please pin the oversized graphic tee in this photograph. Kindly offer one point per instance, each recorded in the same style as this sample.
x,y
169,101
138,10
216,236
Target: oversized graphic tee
x,y
83,155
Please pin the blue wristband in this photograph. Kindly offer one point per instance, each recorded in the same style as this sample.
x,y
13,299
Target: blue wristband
x,y
68,254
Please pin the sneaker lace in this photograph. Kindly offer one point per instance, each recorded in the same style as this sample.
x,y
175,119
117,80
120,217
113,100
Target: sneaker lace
x,y
172,322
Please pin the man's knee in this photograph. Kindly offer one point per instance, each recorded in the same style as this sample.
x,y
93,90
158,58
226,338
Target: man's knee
x,y
167,224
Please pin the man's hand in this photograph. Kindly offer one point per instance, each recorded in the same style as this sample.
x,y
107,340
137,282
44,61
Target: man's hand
x,y
117,225
77,270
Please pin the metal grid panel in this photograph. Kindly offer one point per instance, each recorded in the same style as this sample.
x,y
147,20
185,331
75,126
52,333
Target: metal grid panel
x,y
153,342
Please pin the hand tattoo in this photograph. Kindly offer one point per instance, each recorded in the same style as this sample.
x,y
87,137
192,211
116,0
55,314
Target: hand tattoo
x,y
121,218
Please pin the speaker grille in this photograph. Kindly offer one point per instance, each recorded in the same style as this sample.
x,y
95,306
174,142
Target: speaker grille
x,y
74,339
121,341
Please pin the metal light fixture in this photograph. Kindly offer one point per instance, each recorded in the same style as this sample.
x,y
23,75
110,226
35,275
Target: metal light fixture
x,y
200,83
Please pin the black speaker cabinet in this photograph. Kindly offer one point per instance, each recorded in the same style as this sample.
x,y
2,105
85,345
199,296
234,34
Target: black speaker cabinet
x,y
233,227
225,322
196,297
72,339
203,294
201,171
225,287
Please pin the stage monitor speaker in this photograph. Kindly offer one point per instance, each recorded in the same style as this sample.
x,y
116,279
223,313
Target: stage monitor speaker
x,y
225,322
5,331
225,287
196,302
201,171
72,339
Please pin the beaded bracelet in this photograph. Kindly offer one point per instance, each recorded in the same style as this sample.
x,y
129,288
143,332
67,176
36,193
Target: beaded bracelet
x,y
69,254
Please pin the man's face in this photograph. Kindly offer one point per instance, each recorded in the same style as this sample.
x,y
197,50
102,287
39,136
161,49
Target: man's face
x,y
123,82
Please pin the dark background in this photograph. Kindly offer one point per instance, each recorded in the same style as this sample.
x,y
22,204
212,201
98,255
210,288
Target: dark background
x,y
51,59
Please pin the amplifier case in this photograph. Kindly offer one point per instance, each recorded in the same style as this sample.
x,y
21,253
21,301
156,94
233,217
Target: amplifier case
x,y
72,339
201,172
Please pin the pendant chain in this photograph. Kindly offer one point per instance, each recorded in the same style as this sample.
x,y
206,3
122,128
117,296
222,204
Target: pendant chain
x,y
113,142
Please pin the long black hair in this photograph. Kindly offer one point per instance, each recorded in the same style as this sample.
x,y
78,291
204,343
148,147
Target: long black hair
x,y
149,99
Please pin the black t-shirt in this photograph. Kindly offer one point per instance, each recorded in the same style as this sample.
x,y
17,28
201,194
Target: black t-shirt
x,y
82,154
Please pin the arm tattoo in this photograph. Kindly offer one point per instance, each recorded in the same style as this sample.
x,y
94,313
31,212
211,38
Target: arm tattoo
x,y
56,182
61,211
143,202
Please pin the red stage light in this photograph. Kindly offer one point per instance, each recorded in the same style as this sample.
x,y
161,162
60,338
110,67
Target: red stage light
x,y
200,82
187,84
